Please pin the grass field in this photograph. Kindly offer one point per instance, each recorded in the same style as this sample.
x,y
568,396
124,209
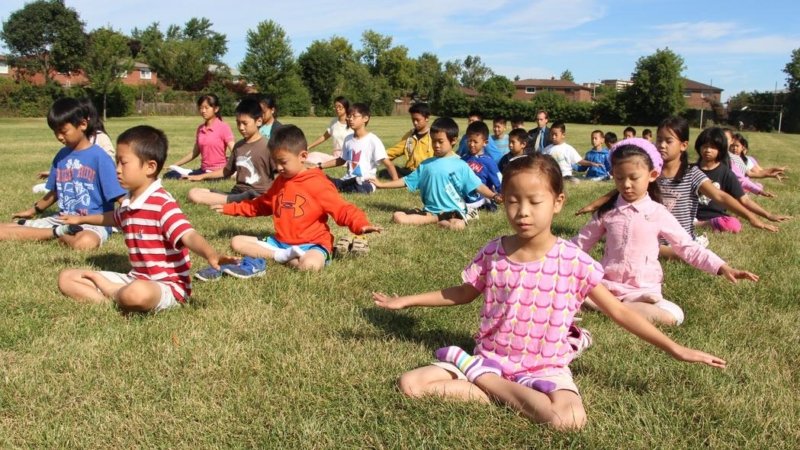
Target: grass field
x,y
303,360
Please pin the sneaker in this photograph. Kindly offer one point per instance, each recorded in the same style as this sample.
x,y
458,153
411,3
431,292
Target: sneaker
x,y
579,339
208,274
343,245
360,246
249,267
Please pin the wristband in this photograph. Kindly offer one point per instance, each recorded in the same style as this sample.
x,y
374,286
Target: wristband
x,y
36,208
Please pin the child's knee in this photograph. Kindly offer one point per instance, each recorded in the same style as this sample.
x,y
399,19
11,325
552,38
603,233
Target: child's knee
x,y
312,261
66,278
85,240
194,195
573,420
399,217
138,296
409,384
238,243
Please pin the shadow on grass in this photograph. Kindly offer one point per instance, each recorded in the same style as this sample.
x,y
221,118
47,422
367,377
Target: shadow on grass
x,y
566,232
381,206
111,262
229,232
403,327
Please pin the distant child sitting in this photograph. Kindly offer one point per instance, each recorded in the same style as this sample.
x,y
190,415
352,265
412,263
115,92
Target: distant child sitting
x,y
565,154
482,164
632,221
517,122
738,145
444,182
269,115
300,201
82,181
157,234
611,139
361,153
628,132
597,154
713,161
499,138
415,145
517,142
647,133
213,141
493,152
532,284
249,160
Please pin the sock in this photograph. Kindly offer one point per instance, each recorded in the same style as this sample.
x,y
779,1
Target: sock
x,y
472,366
62,230
285,255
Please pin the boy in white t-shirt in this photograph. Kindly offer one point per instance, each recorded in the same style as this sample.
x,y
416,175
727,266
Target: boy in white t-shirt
x,y
361,154
565,154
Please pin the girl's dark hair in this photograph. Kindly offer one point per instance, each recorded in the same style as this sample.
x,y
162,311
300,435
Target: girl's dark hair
x,y
269,102
72,111
738,137
342,100
95,122
624,153
544,164
713,137
680,127
212,100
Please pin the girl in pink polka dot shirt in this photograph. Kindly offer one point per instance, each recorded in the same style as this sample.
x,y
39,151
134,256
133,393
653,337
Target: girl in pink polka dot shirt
x,y
533,283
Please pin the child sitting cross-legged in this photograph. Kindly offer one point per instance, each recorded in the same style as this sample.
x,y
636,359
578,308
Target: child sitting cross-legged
x,y
483,165
444,182
157,234
532,284
300,201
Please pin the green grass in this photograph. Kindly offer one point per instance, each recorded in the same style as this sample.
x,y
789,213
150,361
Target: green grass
x,y
304,360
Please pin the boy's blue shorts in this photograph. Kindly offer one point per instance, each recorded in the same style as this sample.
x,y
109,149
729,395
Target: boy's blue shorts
x,y
278,245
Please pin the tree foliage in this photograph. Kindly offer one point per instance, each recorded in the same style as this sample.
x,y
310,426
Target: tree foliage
x,y
320,71
474,72
108,57
792,71
657,89
428,73
45,36
497,86
567,76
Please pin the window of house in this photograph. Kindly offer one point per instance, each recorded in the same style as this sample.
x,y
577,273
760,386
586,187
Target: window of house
x,y
145,74
3,68
530,90
123,74
687,94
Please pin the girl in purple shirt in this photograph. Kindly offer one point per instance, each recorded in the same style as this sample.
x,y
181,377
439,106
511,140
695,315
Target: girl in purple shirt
x,y
632,222
532,283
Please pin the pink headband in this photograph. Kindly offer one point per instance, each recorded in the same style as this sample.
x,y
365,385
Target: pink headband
x,y
647,146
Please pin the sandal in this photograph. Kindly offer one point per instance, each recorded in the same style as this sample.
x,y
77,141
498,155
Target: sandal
x,y
342,246
360,246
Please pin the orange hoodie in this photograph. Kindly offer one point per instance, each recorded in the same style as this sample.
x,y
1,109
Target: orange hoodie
x,y
301,206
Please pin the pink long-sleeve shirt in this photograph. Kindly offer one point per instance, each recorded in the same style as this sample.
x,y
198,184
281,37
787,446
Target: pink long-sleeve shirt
x,y
632,231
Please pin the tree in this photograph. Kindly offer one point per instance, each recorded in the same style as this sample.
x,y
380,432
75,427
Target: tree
x,y
107,57
397,69
567,76
373,44
792,71
45,36
181,56
319,69
474,72
497,86
268,63
429,70
657,89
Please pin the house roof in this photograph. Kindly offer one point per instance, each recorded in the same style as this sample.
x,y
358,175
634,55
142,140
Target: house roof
x,y
551,83
697,86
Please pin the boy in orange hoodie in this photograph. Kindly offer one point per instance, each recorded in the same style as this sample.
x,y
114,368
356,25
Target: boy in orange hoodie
x,y
300,201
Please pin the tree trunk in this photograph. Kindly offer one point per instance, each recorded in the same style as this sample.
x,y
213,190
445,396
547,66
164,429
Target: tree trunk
x,y
105,96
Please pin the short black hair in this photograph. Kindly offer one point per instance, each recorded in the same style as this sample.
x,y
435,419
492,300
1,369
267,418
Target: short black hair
x,y
289,138
446,125
631,129
148,143
559,125
519,134
647,132
611,139
713,137
499,119
361,108
478,127
420,108
475,113
68,110
249,106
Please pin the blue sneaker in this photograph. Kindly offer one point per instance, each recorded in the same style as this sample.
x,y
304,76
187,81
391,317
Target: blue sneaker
x,y
208,274
249,267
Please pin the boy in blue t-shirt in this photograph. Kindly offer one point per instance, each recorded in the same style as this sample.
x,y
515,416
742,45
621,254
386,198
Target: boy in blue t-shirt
x,y
499,138
483,165
444,182
491,150
597,154
82,181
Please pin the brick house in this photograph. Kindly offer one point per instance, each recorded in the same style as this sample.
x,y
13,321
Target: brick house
x,y
527,89
699,95
141,74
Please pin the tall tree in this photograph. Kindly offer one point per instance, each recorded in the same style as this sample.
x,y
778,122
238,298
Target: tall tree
x,y
397,69
497,86
429,71
108,56
320,70
792,71
269,64
373,44
567,76
45,36
474,72
657,89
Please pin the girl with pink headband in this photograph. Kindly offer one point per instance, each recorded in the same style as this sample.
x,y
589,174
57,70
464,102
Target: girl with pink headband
x,y
632,221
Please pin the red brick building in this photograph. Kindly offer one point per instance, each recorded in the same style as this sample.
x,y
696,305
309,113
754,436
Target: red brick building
x,y
139,75
527,89
699,95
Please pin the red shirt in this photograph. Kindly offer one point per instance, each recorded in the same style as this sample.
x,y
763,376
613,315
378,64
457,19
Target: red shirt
x,y
300,207
153,226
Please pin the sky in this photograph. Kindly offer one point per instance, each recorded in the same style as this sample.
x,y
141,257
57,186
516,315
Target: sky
x,y
736,46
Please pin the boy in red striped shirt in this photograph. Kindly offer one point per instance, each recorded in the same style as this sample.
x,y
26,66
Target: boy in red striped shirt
x,y
157,234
